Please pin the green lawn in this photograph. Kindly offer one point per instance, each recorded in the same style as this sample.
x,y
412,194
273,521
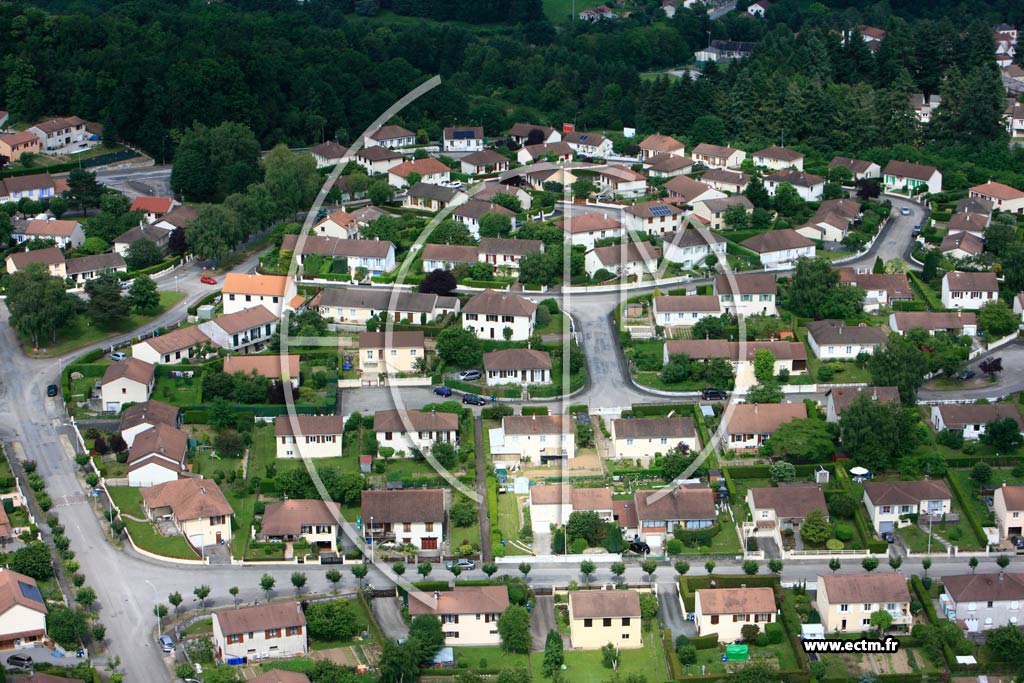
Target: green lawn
x,y
781,655
584,666
199,628
147,537
726,542
127,499
362,619
509,521
178,391
488,657
81,332
917,539
556,325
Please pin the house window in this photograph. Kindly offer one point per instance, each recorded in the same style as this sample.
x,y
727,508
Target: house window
x,y
625,621
219,519
407,527
844,608
273,633
890,606
606,622
429,526
990,604
295,630
714,618
248,297
867,607
886,509
971,606
587,623
236,639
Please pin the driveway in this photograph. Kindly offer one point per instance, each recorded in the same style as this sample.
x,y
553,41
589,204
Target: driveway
x,y
388,612
671,613
542,620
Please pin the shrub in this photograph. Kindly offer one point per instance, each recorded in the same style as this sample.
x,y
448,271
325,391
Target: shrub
x,y
775,633
834,544
843,532
826,373
950,439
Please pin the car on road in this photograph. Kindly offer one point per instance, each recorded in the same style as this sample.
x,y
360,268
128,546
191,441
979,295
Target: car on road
x,y
207,280
639,547
118,356
442,391
966,375
905,211
470,375
52,390
20,661
166,644
710,394
474,400
464,565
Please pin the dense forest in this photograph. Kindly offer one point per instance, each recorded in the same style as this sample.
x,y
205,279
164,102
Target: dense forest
x,y
301,73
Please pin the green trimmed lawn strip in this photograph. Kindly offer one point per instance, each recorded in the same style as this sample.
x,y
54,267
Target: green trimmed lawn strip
x,y
726,542
127,499
584,666
495,657
148,537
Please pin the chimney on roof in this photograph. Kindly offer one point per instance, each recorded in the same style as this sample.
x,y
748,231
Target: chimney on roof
x,y
755,407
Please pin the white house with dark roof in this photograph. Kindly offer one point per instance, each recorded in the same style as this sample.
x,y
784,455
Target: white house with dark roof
x,y
835,340
521,133
909,177
859,168
983,601
23,612
56,136
956,322
429,170
339,223
785,506
880,289
724,180
376,256
969,291
588,228
1003,197
970,419
780,248
713,210
84,268
778,158
662,511
462,139
685,311
377,160
537,439
470,213
51,258
685,190
751,425
357,305
643,438
270,631
175,346
314,521
308,436
448,256
428,197
247,290
810,187
405,430
245,331
517,366
725,611
484,161
619,181
157,236
407,517
889,502
139,417
718,156
630,259
66,234
158,455
504,252
667,166
390,137
328,154
691,247
657,144
837,399
490,313
468,614
128,381
588,144
654,217
747,293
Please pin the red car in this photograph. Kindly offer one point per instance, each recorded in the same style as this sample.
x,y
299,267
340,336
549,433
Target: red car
x,y
207,280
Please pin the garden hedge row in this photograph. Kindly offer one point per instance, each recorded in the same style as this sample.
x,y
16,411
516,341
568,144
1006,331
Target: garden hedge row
x,y
968,511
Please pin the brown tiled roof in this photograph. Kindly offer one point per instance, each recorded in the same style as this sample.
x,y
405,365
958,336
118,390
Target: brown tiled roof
x,y
752,418
655,427
131,368
957,415
415,421
50,256
937,320
665,163
378,153
865,588
776,240
680,503
175,340
551,494
286,518
591,498
434,192
796,178
959,281
53,125
604,604
280,676
162,439
499,303
964,241
87,264
557,148
395,340
691,237
905,169
895,285
848,208
152,204
624,512
329,150
391,132
707,149
723,203
905,492
513,247
837,331
790,500
37,677
661,143
590,222
19,138
452,253
687,188
855,165
485,157
25,183
460,600
380,299
180,216
975,205
676,304
985,587
149,412
12,593
249,283
409,505
522,130
615,254
517,359
583,138
872,32
264,366
242,321
622,174
702,349
998,191
724,175
51,228
537,424
143,232
1013,496
476,209
968,222
286,425
188,498
424,167
779,153
736,601
843,397
260,618
746,283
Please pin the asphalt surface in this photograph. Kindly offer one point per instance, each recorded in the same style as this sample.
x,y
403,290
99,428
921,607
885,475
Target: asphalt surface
x,y
542,620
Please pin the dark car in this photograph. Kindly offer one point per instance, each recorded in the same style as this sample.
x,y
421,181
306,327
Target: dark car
x,y
889,537
52,390
639,547
1018,542
20,661
966,375
442,391
475,400
710,394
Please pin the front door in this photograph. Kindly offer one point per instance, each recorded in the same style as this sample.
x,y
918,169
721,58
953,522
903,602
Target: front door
x,y
842,626
218,538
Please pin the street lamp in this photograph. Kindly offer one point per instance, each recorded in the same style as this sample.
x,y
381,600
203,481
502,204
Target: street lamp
x,y
156,609
371,539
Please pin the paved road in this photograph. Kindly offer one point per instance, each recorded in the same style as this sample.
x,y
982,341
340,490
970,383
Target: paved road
x,y
152,181
388,612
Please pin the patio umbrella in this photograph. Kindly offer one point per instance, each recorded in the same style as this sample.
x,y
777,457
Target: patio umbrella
x,y
858,471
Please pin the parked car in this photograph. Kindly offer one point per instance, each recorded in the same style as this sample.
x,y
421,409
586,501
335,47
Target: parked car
x,y
166,644
889,537
118,356
464,565
474,400
966,375
905,211
442,391
207,280
470,375
20,661
710,394
639,547
52,390
1018,542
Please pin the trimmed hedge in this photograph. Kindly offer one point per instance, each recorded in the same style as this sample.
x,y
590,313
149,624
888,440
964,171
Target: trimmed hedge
x,y
163,265
674,667
925,292
708,642
968,511
208,299
749,471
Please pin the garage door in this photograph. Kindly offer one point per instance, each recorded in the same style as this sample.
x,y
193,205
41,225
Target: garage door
x,y
883,527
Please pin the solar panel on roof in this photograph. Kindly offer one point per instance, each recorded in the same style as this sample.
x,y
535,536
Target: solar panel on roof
x,y
31,592
660,211
583,137
463,135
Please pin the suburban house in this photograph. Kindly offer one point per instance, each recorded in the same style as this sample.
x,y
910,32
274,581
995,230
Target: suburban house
x,y
717,156
951,322
484,161
789,356
65,234
983,601
654,217
551,504
517,366
724,51
404,430
505,252
469,614
630,259
448,256
751,424
962,245
619,181
965,221
245,331
785,506
179,217
340,224
140,417
197,507
907,177
588,144
684,190
378,160
924,106
597,618
157,455
753,293
975,205
1008,505
690,247
275,367
376,256
684,311
1003,197
587,228
521,133
390,137
128,381
427,197
838,399
35,186
84,268
173,347
537,439
391,353
779,158
552,151
713,210
662,511
859,168
667,166
316,522
246,290
492,188
462,139
270,631
51,257
490,313
406,517
969,290
880,289
22,611
655,145
308,436
810,187
157,236
888,502
725,180
328,154
835,340
726,611
846,602
970,418
13,145
780,248
872,36
643,438
758,8
357,305
57,135
153,208
470,213
429,170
